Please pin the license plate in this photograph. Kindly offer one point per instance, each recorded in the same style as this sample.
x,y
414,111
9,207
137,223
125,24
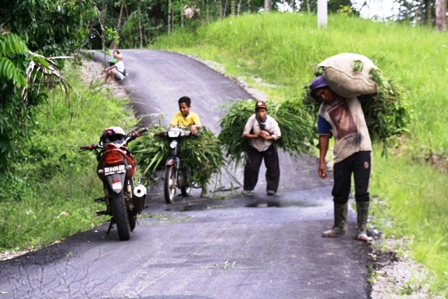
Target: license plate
x,y
114,169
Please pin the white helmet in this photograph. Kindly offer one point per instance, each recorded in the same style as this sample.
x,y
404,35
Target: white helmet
x,y
113,134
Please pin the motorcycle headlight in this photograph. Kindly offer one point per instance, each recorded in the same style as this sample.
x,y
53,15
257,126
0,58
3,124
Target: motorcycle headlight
x,y
173,133
173,144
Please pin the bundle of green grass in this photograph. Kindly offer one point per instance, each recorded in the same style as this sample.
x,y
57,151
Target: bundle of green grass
x,y
202,153
353,75
295,125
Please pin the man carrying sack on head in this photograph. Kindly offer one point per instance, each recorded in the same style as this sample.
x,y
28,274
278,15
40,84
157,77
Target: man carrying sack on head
x,y
344,119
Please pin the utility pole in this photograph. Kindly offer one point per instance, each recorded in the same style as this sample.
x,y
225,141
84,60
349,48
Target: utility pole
x,y
322,13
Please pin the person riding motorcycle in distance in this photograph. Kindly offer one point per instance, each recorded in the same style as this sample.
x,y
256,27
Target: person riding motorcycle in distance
x,y
186,119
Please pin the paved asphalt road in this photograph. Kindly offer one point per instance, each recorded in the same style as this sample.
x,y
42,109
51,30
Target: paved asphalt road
x,y
255,247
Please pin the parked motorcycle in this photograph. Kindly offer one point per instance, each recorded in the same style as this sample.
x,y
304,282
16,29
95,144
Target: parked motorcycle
x,y
176,174
116,168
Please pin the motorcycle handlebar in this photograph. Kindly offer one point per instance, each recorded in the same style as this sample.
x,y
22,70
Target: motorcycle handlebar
x,y
131,137
90,147
183,135
144,130
161,134
136,134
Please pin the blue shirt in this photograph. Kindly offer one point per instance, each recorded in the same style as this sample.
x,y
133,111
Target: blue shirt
x,y
323,126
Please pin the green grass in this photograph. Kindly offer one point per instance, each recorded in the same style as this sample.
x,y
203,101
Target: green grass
x,y
284,49
413,196
49,194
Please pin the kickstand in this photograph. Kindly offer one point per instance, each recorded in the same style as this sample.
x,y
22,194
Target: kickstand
x,y
110,227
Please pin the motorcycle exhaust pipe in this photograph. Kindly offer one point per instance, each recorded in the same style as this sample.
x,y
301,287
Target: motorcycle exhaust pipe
x,y
139,198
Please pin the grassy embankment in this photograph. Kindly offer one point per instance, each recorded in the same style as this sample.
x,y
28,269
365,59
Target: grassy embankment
x,y
49,194
283,50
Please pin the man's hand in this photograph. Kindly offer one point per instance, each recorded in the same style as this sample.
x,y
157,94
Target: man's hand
x,y
322,171
109,68
194,129
263,134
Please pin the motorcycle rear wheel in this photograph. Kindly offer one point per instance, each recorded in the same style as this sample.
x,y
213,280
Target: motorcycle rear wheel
x,y
120,215
169,189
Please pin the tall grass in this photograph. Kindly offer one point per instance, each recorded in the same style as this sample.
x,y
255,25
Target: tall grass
x,y
49,194
284,49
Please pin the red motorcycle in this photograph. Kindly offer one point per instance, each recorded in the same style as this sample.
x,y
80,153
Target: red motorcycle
x,y
116,168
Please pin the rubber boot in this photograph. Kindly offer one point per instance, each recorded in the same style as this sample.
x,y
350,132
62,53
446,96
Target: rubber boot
x,y
340,222
363,213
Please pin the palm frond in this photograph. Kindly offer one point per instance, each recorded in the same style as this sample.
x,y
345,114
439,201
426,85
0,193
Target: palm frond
x,y
43,70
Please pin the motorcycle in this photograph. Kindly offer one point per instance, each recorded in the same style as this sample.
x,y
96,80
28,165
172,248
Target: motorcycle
x,y
176,174
116,168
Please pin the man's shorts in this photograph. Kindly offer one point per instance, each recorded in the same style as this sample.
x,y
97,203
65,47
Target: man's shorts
x,y
118,75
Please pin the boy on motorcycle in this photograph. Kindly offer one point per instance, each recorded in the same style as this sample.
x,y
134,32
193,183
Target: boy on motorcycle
x,y
184,118
187,119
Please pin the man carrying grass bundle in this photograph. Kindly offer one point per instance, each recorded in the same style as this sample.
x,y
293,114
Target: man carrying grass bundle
x,y
344,118
262,132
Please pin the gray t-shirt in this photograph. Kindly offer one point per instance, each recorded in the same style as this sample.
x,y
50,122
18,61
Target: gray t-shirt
x,y
271,126
120,66
348,125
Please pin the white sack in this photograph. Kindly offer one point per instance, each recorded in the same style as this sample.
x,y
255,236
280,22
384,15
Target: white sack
x,y
347,74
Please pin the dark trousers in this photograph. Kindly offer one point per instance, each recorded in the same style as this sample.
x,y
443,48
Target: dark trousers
x,y
252,168
360,165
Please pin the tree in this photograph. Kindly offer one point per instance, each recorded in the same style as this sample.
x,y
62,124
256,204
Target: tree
x,y
441,15
267,5
424,12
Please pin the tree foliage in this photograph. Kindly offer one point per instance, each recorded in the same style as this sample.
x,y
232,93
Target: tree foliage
x,y
49,27
418,12
12,75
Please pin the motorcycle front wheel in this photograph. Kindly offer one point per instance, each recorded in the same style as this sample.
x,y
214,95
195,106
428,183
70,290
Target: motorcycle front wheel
x,y
120,216
169,189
